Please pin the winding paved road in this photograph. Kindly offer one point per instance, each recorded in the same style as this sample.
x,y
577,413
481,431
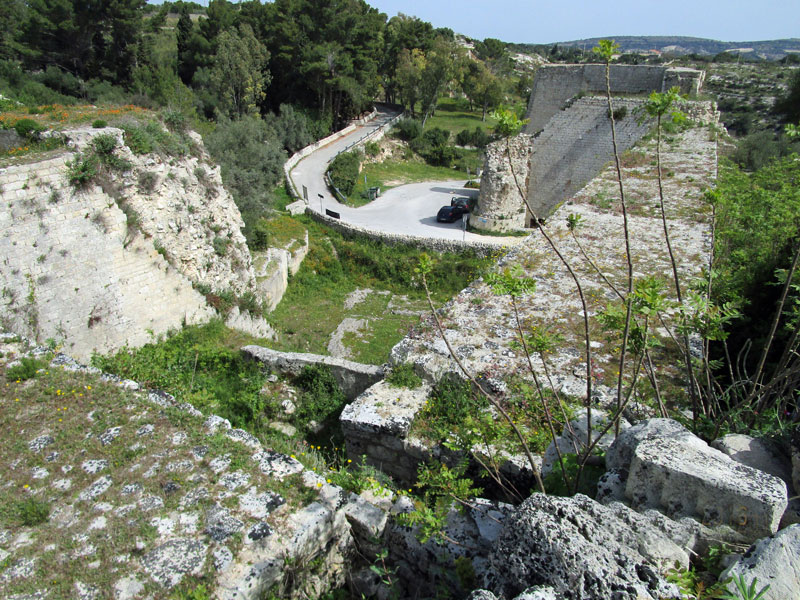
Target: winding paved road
x,y
405,210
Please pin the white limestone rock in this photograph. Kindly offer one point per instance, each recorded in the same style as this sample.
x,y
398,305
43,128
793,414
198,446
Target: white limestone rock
x,y
757,453
168,563
774,561
694,480
583,550
576,436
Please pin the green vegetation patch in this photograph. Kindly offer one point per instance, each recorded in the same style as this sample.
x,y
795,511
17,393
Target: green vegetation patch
x,y
74,429
335,266
202,365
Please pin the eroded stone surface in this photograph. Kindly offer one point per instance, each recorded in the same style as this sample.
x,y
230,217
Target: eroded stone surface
x,y
581,549
773,561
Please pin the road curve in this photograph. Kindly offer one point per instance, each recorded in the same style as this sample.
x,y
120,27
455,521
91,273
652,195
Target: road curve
x,y
405,210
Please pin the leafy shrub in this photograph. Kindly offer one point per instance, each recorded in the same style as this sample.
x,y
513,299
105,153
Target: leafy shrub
x,y
104,144
343,171
372,149
30,512
175,120
436,136
147,181
477,137
759,149
407,129
619,113
26,369
403,376
260,235
99,124
220,245
62,82
28,129
291,128
252,165
81,170
322,399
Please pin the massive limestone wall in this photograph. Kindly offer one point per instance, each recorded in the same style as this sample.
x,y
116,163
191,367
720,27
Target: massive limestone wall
x,y
574,146
570,132
108,265
554,85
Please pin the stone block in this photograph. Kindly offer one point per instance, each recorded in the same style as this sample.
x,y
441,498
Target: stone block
x,y
703,483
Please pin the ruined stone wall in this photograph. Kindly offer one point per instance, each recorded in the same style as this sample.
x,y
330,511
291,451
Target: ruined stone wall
x,y
108,265
500,207
554,85
574,146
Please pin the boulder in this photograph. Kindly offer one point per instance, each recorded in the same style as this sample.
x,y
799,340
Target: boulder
x,y
757,453
583,550
690,479
576,435
773,561
620,453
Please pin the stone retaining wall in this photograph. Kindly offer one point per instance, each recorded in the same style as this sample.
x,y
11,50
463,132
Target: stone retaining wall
x,y
554,85
574,146
482,248
352,377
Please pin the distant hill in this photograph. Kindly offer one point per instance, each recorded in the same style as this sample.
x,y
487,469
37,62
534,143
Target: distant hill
x,y
770,49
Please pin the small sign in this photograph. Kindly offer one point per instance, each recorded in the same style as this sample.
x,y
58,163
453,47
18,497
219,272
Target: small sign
x,y
305,193
333,214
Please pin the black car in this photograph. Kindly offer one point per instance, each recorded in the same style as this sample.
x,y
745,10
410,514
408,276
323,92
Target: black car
x,y
450,214
460,201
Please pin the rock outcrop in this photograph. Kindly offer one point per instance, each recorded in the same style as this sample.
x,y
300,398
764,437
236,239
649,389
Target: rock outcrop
x,y
670,469
773,561
583,550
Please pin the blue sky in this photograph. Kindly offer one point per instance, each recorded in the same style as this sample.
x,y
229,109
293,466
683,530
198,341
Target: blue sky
x,y
547,21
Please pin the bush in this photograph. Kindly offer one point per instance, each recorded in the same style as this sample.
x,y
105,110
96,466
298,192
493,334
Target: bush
x,y
31,511
372,149
260,235
477,137
104,144
343,171
99,124
759,149
81,170
252,165
147,181
28,129
25,370
322,399
403,376
407,129
174,120
220,245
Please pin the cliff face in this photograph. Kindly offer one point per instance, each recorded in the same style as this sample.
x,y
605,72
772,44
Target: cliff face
x,y
112,262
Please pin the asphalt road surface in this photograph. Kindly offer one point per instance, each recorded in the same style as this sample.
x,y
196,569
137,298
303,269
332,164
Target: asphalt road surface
x,y
407,210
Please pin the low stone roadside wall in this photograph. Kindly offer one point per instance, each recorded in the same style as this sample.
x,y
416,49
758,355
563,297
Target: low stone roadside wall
x,y
353,377
482,248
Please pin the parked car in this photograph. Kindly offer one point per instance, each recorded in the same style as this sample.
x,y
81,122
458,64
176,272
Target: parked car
x,y
450,214
460,201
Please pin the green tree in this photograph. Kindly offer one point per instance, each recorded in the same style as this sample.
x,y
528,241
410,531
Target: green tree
x,y
95,39
240,74
408,77
186,64
437,74
789,104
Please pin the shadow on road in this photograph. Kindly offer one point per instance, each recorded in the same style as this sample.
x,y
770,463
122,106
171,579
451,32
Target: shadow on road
x,y
432,222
